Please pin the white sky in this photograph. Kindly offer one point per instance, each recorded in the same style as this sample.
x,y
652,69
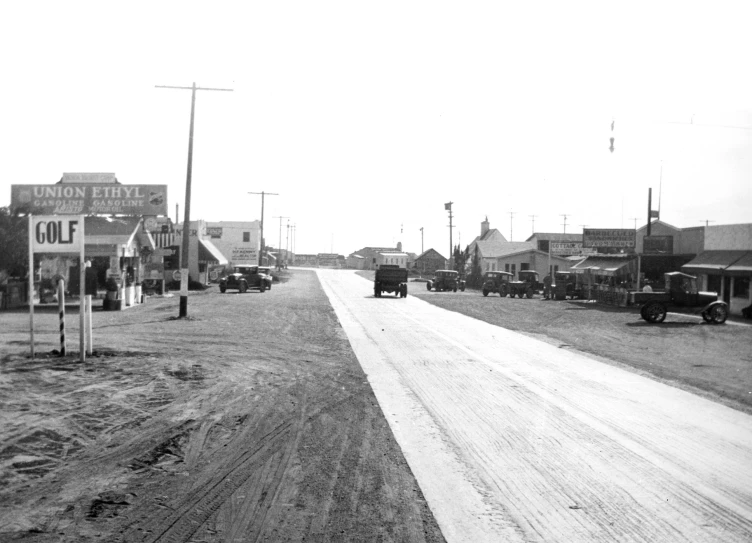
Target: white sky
x,y
366,116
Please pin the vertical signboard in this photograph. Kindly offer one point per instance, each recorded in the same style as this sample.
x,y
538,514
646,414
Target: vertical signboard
x,y
55,234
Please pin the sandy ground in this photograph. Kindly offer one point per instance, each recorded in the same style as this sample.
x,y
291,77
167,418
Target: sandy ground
x,y
548,443
250,421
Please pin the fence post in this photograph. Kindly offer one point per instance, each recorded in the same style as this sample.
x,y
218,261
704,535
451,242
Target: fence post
x,y
61,312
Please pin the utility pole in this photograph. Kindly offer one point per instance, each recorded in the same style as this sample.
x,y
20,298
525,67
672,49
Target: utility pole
x,y
448,207
294,230
533,218
186,221
511,225
706,221
279,248
262,193
635,221
565,222
421,240
287,241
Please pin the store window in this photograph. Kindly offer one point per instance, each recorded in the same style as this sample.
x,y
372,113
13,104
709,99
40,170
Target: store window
x,y
741,287
246,237
506,268
524,266
514,269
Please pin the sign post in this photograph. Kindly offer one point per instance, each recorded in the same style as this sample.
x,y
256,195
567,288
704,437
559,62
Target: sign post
x,y
31,284
59,234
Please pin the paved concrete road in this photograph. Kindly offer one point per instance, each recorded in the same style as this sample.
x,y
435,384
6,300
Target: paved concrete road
x,y
513,439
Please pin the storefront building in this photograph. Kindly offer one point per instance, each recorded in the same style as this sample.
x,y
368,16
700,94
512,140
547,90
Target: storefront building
x,y
725,265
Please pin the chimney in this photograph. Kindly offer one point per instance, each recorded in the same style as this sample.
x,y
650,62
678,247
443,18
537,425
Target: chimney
x,y
399,246
484,227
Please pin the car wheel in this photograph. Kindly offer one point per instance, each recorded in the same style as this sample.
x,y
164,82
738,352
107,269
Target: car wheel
x,y
243,287
719,314
404,291
454,289
654,312
462,288
529,293
428,286
485,292
222,289
262,286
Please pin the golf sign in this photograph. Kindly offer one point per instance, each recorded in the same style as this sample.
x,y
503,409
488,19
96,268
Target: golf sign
x,y
57,234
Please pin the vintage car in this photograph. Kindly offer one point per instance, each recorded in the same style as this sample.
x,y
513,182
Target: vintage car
x,y
446,280
527,285
268,273
390,278
680,292
496,281
244,278
565,285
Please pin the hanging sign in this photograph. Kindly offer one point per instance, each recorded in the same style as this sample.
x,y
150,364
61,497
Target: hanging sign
x,y
57,234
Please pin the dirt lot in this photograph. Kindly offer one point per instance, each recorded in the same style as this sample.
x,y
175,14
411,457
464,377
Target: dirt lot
x,y
250,421
712,360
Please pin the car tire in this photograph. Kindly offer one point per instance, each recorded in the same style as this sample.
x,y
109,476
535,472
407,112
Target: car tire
x,y
243,287
529,293
654,312
222,289
485,292
718,314
262,287
428,286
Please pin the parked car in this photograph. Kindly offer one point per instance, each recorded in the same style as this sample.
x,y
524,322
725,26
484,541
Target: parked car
x,y
446,280
681,292
269,277
244,278
496,281
565,285
527,285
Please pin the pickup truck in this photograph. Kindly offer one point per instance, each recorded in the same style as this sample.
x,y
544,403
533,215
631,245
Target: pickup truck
x,y
390,278
680,292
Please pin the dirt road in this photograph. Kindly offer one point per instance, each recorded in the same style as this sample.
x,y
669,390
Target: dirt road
x,y
250,421
516,439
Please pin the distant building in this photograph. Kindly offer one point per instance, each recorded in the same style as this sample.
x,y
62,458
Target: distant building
x,y
392,258
429,261
371,255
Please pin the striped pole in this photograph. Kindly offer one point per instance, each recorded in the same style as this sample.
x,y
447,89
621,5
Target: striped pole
x,y
61,311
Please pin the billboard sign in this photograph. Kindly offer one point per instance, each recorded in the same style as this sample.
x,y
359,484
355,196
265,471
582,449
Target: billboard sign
x,y
658,245
214,232
570,249
609,238
55,234
90,199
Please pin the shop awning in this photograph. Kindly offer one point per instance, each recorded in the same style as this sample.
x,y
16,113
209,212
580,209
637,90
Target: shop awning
x,y
604,266
712,261
743,266
207,252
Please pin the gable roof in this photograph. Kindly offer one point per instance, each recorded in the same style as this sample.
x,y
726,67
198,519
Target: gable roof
x,y
496,249
658,222
551,236
425,253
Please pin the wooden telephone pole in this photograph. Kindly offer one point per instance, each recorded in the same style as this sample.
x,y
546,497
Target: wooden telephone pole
x,y
187,218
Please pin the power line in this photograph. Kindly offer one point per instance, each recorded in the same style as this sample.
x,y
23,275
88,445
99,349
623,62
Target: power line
x,y
706,221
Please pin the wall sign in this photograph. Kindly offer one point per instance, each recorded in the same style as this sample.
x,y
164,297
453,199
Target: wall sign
x,y
54,234
614,238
